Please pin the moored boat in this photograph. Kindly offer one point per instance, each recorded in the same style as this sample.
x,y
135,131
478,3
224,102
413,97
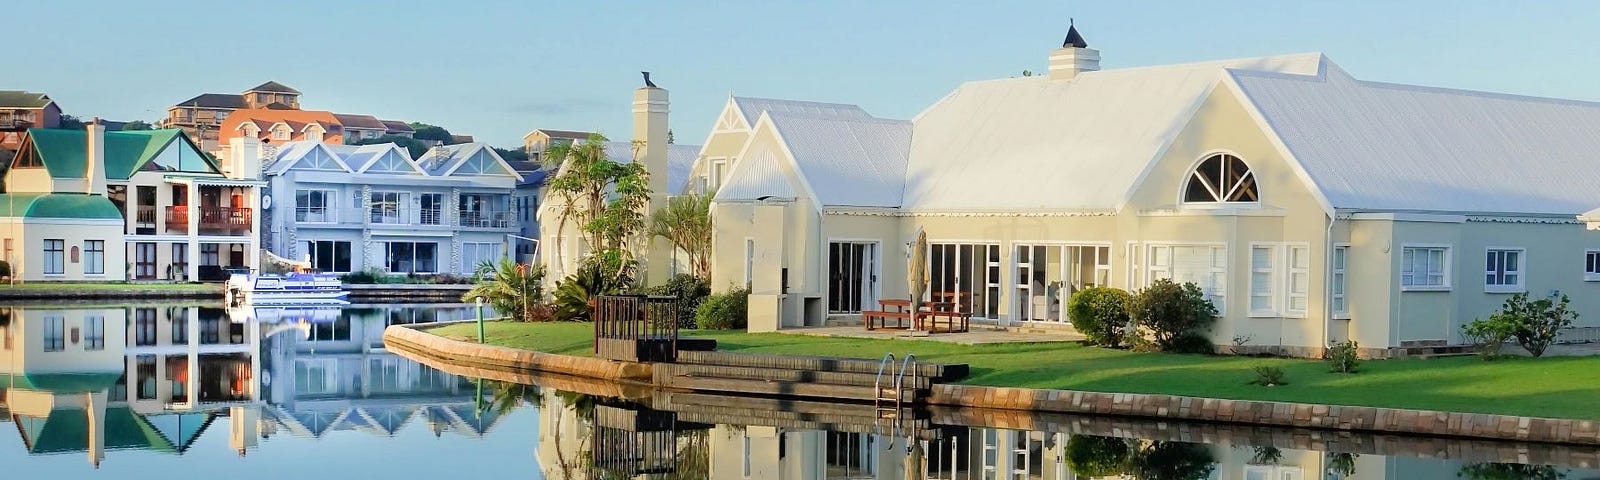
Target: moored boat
x,y
286,289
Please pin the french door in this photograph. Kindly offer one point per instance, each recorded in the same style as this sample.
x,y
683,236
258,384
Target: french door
x,y
852,276
144,261
966,274
1048,275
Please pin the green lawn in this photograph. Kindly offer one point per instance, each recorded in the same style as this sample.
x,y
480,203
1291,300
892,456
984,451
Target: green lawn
x,y
1565,387
205,287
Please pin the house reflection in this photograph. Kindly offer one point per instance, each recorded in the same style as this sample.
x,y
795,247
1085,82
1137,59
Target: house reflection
x,y
93,379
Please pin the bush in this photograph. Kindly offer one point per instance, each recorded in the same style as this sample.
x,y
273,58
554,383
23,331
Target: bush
x,y
1342,357
724,311
540,312
5,269
1537,323
1101,314
1092,456
1170,312
1508,471
511,288
1191,343
368,276
1268,376
1488,335
690,292
574,294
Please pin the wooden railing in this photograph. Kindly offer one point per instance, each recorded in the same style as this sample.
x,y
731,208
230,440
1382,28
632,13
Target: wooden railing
x,y
145,216
635,328
223,218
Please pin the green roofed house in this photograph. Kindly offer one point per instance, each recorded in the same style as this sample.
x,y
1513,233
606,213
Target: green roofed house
x,y
88,205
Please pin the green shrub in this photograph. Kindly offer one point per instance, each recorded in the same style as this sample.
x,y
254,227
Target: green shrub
x,y
690,292
1509,471
1268,376
1173,460
1488,335
1171,312
575,293
1191,343
1539,322
1093,456
1342,357
5,269
1101,314
512,288
370,276
724,311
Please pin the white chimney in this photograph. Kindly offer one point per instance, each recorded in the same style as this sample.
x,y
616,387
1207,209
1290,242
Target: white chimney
x,y
1073,57
244,158
94,158
650,126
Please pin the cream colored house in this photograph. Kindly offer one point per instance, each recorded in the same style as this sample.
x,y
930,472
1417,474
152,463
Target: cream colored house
x,y
1310,206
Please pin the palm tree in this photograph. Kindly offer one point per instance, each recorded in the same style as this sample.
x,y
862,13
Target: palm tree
x,y
686,222
511,288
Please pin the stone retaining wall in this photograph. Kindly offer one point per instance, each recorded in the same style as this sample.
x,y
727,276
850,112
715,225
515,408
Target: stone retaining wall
x,y
412,338
1371,419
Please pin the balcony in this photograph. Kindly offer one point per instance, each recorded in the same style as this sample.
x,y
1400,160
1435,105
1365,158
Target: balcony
x,y
432,217
211,218
145,216
486,219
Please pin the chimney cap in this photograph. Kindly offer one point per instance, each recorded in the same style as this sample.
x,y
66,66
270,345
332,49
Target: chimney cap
x,y
1074,39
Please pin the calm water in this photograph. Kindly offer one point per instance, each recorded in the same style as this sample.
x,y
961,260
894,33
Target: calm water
x,y
195,391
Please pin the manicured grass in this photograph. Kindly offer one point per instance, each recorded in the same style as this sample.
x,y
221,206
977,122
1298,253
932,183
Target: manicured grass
x,y
1565,387
69,286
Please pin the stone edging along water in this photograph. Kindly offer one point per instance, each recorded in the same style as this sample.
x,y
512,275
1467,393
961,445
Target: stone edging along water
x,y
413,337
1174,407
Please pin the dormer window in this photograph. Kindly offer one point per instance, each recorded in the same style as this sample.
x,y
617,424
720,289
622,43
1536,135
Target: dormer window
x,y
1221,178
280,133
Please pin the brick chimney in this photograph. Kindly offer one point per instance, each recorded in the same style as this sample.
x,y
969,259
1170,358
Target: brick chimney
x,y
94,158
650,126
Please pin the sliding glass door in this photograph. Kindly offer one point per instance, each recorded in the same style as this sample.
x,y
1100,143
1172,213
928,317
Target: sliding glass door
x,y
966,274
852,277
1048,275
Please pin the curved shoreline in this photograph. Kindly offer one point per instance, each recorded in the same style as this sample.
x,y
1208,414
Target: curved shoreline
x,y
1155,406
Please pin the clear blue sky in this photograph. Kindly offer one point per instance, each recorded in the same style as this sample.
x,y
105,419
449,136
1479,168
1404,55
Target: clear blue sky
x,y
496,69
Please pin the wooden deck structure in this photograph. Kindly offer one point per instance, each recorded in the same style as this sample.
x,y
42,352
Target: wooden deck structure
x,y
636,328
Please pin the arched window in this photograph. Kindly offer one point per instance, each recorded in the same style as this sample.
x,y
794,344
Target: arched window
x,y
1221,178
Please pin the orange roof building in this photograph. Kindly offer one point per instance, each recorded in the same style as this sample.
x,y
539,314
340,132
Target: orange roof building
x,y
281,126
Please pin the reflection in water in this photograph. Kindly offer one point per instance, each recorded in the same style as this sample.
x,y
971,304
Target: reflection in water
x,y
164,379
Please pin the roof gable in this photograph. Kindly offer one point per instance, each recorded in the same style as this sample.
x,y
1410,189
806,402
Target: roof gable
x,y
858,162
308,155
389,158
762,174
167,150
480,160
751,108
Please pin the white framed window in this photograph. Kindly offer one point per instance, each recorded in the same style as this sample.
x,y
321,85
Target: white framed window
x,y
94,332
1133,265
1504,270
1204,265
280,133
1299,261
328,255
55,256
1221,178
719,167
315,206
1591,264
1263,280
749,262
1425,267
55,327
1045,277
94,257
1341,306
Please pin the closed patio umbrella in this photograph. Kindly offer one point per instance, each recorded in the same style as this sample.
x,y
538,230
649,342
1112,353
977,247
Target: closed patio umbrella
x,y
917,272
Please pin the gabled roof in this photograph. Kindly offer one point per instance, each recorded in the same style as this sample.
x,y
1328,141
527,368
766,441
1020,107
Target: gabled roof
x,y
23,99
396,126
751,108
844,161
446,160
1382,146
367,122
58,205
291,153
297,120
1033,143
214,100
363,158
680,161
64,151
273,87
67,430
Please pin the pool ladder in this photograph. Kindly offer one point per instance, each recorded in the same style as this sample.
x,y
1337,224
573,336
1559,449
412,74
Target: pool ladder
x,y
882,397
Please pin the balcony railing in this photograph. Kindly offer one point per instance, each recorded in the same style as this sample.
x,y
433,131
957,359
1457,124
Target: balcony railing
x,y
145,216
486,219
211,218
432,217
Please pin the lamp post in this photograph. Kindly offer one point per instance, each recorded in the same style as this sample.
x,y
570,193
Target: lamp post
x,y
479,301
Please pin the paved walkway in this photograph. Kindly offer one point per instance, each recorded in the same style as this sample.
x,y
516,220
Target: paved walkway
x,y
980,335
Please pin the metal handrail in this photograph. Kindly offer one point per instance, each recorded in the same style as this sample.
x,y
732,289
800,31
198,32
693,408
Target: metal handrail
x,y
909,361
877,382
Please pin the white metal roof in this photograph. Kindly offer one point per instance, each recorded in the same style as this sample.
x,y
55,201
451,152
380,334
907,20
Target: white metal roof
x,y
680,160
752,108
1380,146
845,161
1032,143
760,175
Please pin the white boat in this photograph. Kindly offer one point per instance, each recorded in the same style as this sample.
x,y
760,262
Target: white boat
x,y
286,289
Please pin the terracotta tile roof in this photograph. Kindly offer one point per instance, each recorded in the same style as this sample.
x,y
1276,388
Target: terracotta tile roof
x,y
295,119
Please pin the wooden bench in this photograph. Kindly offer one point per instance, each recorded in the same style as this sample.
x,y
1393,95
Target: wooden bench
x,y
954,322
881,318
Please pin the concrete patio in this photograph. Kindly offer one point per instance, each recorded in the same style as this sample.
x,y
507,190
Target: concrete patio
x,y
979,335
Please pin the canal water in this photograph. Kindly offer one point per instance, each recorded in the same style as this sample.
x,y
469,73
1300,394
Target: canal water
x,y
199,391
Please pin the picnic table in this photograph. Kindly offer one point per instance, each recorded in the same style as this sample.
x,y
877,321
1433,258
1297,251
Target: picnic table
x,y
927,318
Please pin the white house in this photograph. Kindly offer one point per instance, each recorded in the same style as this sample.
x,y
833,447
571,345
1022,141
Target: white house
x,y
1310,206
353,208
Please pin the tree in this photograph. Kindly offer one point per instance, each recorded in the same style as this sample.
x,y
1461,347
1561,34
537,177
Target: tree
x,y
511,288
425,131
417,148
686,222
512,154
1171,312
71,122
137,125
1537,323
603,198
